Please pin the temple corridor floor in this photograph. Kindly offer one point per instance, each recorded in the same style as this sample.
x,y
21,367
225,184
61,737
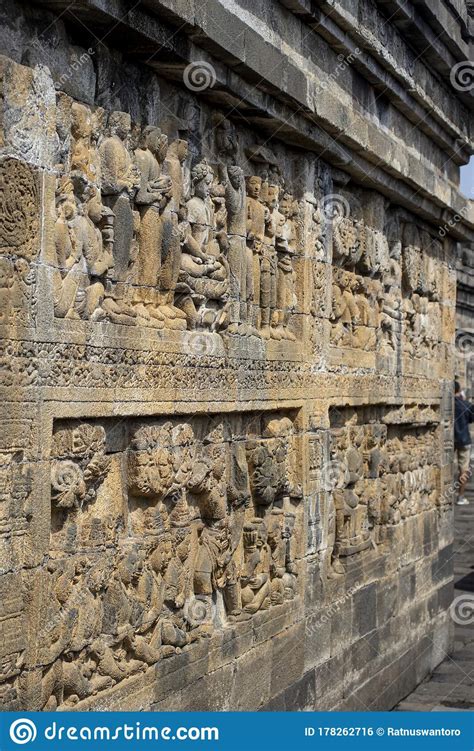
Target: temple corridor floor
x,y
451,686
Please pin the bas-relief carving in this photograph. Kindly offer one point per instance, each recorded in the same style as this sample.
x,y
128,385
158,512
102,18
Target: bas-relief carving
x,y
185,527
147,234
165,251
181,527
385,288
19,241
379,474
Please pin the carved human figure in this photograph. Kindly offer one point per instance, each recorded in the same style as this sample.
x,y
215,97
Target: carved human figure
x,y
352,534
348,239
204,269
345,313
85,158
151,198
120,182
241,289
174,212
268,264
285,246
226,138
255,235
255,577
391,315
70,282
81,253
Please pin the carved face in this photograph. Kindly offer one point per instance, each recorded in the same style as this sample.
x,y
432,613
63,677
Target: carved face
x,y
286,206
157,142
235,176
254,186
226,139
161,557
130,567
69,209
202,188
272,196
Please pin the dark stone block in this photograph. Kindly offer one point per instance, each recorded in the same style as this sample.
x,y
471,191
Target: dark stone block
x,y
445,595
314,595
417,613
407,585
297,84
341,623
423,657
302,694
264,60
210,693
287,658
429,534
250,685
329,681
222,30
364,611
385,689
432,604
317,647
365,651
406,678
442,567
387,599
275,705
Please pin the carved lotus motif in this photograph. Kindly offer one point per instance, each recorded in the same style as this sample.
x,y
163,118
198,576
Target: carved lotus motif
x,y
67,483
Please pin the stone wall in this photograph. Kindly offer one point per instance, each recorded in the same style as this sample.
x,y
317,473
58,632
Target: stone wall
x,y
227,311
465,318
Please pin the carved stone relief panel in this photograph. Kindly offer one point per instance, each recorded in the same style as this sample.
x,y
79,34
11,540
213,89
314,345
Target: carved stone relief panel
x,y
382,469
148,234
162,531
19,240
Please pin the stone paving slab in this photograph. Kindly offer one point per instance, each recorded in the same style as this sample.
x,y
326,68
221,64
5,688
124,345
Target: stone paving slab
x,y
451,685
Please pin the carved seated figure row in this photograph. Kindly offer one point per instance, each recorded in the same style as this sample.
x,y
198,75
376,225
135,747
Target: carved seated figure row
x,y
207,538
141,241
376,482
393,305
